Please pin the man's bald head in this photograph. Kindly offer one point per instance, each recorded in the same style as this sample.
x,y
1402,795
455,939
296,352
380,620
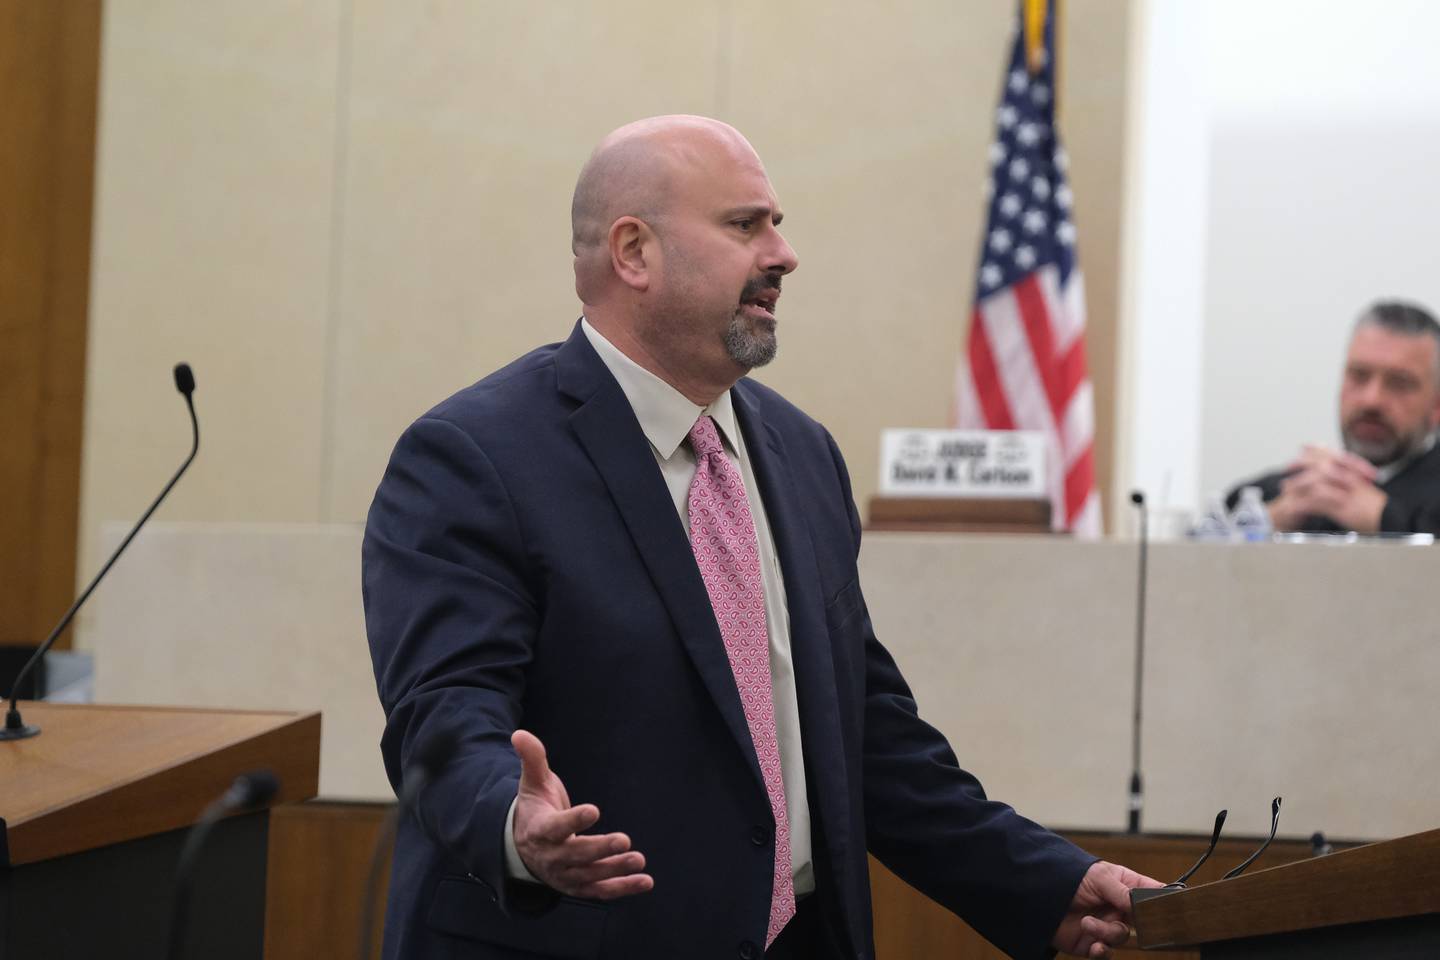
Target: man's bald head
x,y
678,253
637,171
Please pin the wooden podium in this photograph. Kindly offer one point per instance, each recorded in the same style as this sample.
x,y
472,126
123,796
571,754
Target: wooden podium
x,y
93,812
1377,901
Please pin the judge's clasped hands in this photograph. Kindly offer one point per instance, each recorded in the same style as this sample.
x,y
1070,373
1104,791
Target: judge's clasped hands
x,y
1329,483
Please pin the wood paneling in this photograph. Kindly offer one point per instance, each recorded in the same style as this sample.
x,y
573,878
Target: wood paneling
x,y
49,68
319,860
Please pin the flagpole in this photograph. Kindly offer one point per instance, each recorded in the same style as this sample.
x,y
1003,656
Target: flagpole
x,y
1055,12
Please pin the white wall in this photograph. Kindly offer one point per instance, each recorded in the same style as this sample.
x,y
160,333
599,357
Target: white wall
x,y
1164,266
1310,146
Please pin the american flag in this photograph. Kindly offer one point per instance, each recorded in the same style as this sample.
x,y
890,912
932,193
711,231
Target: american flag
x,y
1025,367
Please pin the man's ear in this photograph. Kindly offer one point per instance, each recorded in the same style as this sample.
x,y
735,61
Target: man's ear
x,y
632,252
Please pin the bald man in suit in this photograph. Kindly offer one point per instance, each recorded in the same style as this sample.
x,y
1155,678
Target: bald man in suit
x,y
625,575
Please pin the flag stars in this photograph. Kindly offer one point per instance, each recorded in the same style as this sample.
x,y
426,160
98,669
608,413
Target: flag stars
x,y
1027,196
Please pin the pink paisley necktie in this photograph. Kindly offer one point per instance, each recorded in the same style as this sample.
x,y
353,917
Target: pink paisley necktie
x,y
722,534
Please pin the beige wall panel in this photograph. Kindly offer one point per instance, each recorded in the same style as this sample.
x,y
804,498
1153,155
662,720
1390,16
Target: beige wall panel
x,y
467,126
1307,672
320,329
1095,57
873,121
1019,649
1271,669
247,616
212,238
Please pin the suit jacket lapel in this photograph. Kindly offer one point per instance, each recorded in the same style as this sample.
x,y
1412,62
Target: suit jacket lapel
x,y
606,427
809,636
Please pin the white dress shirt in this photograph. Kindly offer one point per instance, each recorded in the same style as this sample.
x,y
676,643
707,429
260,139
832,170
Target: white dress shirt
x,y
666,416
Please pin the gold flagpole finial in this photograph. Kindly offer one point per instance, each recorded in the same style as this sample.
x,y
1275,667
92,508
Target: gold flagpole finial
x,y
1035,13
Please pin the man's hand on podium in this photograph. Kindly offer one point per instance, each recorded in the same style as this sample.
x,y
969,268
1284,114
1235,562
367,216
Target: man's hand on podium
x,y
1099,916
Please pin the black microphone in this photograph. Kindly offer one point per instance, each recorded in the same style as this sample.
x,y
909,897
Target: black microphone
x,y
15,727
430,757
253,789
184,379
1137,791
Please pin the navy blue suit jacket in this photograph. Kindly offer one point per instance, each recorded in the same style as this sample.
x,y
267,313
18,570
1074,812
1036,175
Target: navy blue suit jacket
x,y
524,565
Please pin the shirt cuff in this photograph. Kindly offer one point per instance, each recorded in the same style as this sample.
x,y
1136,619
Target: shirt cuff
x,y
514,867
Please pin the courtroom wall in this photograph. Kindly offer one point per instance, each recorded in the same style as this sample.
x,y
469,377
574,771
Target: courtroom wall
x,y
341,211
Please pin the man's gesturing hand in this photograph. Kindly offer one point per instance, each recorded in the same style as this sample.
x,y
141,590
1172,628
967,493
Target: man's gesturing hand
x,y
547,836
1099,916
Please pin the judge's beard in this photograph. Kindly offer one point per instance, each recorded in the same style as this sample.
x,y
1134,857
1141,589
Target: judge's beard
x,y
1397,446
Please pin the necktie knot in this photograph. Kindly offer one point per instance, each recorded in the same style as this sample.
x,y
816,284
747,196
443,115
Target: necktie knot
x,y
705,438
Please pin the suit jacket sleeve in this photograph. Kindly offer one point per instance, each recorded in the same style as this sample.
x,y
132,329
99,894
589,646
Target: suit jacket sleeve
x,y
930,821
451,620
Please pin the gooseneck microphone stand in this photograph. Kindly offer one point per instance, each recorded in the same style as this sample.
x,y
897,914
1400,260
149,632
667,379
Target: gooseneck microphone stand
x,y
249,791
1137,792
15,727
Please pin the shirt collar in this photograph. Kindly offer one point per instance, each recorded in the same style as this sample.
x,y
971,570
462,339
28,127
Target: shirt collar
x,y
665,414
